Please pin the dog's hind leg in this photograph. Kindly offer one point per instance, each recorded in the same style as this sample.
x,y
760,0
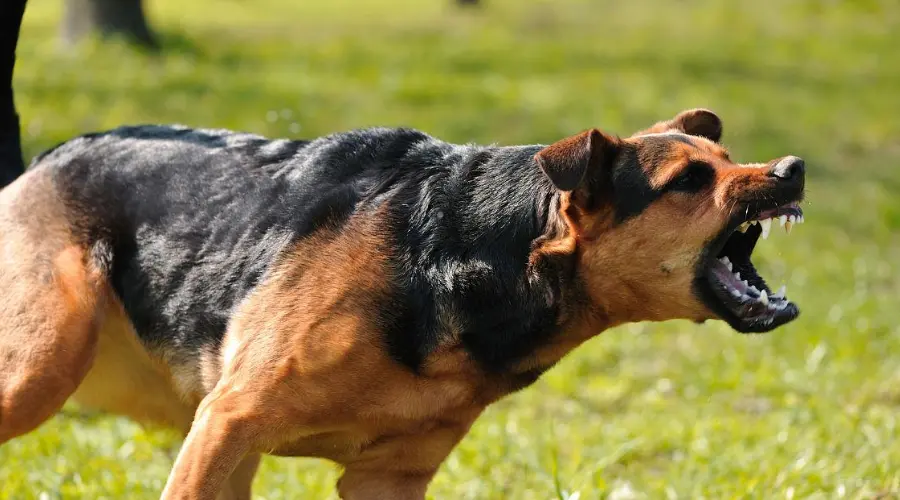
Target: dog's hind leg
x,y
49,302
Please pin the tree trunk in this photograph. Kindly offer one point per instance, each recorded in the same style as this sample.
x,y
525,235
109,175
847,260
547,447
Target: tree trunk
x,y
106,18
11,165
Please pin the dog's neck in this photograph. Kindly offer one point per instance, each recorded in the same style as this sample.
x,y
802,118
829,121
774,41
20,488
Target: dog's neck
x,y
597,288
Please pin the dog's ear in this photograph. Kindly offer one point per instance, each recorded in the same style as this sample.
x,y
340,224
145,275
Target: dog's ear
x,y
699,122
568,161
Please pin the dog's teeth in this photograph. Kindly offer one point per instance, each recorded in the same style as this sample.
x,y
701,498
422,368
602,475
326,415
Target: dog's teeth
x,y
783,220
735,293
744,227
800,220
766,226
787,227
738,276
781,292
763,297
727,262
793,219
753,222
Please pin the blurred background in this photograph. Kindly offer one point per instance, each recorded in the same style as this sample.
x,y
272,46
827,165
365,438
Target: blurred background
x,y
670,410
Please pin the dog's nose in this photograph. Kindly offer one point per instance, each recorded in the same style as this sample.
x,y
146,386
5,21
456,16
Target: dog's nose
x,y
790,168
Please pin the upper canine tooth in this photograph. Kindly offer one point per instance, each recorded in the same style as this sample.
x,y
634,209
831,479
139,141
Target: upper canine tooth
x,y
783,219
766,226
763,297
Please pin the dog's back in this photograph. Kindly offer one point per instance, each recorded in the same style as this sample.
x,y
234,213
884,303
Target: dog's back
x,y
187,221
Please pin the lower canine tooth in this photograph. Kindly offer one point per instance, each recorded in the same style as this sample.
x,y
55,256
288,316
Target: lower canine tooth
x,y
763,297
781,292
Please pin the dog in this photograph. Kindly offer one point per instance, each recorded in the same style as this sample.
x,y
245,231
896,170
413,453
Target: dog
x,y
361,297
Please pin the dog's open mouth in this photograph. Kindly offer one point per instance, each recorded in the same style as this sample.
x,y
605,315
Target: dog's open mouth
x,y
731,284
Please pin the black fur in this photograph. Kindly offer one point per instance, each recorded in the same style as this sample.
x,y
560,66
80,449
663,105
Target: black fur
x,y
192,220
631,190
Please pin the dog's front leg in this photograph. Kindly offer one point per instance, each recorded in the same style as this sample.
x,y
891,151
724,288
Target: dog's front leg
x,y
224,431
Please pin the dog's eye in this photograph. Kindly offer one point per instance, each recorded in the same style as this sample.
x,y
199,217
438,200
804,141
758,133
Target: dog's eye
x,y
696,176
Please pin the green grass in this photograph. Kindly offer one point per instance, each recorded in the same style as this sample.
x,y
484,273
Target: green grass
x,y
669,410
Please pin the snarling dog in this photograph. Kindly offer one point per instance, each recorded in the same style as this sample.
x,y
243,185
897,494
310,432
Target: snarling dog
x,y
361,297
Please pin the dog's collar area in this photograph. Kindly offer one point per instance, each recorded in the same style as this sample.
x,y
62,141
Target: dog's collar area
x,y
737,285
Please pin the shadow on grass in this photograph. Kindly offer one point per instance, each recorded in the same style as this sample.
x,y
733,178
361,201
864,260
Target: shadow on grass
x,y
171,41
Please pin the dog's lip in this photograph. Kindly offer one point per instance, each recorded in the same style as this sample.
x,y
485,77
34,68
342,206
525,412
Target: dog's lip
x,y
788,209
786,213
761,207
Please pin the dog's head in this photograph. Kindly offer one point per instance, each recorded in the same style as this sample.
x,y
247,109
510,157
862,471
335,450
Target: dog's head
x,y
664,222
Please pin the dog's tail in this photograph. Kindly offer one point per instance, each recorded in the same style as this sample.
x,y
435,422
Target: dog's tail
x,y
11,164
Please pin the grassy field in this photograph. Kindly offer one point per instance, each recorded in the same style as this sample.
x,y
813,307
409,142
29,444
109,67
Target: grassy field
x,y
651,411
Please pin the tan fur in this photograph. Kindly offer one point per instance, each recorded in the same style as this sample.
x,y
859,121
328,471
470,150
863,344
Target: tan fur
x,y
125,380
306,373
48,305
